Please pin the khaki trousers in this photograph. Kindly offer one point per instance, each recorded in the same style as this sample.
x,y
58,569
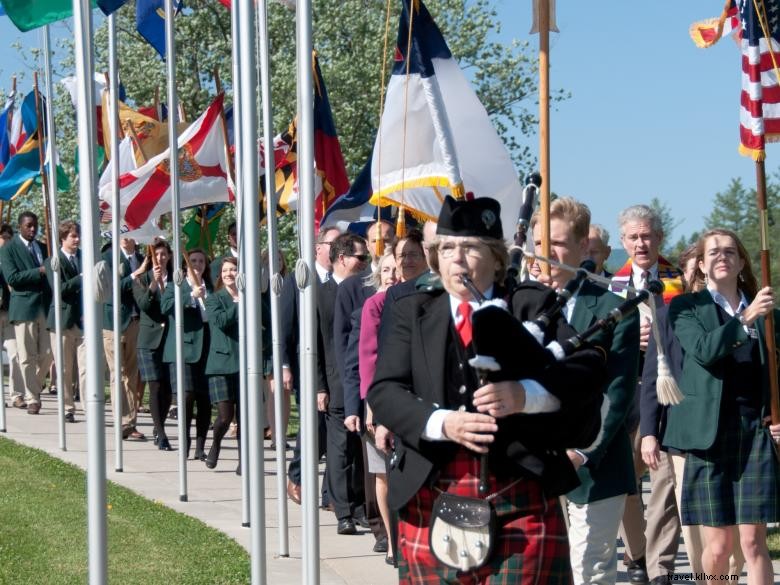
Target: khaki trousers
x,y
15,380
74,353
128,348
694,535
34,351
593,529
657,538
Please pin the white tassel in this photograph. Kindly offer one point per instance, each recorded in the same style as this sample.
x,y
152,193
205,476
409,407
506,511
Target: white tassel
x,y
667,391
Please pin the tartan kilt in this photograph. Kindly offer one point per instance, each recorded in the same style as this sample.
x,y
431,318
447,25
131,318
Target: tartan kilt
x,y
531,547
223,387
194,378
736,480
150,365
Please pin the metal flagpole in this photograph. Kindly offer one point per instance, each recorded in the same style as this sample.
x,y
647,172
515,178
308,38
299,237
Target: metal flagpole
x,y
54,218
306,274
3,427
276,278
113,96
243,436
173,145
93,315
254,347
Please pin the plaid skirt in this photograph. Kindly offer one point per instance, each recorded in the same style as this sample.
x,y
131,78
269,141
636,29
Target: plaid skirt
x,y
223,388
194,378
736,480
150,365
531,547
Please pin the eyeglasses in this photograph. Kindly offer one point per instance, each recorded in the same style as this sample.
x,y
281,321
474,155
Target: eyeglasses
x,y
359,257
470,249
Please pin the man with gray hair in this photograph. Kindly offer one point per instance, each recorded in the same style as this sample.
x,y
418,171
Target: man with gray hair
x,y
599,248
651,547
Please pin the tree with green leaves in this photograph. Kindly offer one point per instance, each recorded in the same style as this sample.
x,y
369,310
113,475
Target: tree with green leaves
x,y
350,39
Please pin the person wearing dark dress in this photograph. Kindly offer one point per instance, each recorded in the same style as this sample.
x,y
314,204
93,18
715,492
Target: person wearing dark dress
x,y
195,289
222,363
732,477
149,282
443,420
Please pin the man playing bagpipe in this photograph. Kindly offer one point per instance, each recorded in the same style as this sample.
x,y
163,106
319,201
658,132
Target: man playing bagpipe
x,y
479,458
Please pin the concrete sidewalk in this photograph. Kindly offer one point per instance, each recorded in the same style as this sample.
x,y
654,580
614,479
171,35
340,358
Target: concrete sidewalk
x,y
215,498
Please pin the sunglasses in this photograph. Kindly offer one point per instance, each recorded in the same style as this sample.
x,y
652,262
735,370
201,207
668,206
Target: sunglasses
x,y
359,257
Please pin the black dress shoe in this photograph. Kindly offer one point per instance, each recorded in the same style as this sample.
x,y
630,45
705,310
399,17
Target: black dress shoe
x,y
346,526
362,521
213,457
164,444
381,544
70,417
637,572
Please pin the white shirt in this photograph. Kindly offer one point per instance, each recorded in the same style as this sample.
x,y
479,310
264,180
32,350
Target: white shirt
x,y
71,257
322,273
721,301
637,273
537,398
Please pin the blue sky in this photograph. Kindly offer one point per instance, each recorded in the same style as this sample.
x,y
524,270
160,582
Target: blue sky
x,y
651,115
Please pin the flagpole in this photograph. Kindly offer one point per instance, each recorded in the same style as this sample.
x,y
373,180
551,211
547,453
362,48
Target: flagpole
x,y
276,277
254,347
93,316
544,127
113,97
766,280
305,275
243,419
51,149
173,145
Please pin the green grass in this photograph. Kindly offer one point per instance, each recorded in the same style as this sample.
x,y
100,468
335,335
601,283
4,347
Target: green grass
x,y
44,531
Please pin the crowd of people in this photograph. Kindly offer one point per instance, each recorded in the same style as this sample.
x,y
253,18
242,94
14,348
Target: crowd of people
x,y
520,465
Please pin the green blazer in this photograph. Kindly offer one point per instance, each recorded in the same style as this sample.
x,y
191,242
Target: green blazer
x,y
693,424
223,327
70,287
609,470
125,292
192,326
30,290
152,324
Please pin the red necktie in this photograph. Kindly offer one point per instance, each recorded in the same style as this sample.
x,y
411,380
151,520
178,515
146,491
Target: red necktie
x,y
464,327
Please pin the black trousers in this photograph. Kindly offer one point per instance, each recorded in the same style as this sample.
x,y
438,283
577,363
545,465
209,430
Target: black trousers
x,y
294,470
345,467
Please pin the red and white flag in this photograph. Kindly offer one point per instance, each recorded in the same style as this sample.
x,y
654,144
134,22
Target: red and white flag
x,y
145,192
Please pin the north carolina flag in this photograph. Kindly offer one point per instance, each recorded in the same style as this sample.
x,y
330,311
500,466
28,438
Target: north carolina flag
x,y
145,191
413,163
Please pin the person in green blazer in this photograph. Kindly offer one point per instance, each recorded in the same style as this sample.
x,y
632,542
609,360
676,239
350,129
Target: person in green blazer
x,y
130,262
605,469
732,476
222,362
152,333
195,289
22,260
74,350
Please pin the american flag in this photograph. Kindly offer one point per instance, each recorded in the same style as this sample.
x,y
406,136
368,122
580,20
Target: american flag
x,y
706,33
759,116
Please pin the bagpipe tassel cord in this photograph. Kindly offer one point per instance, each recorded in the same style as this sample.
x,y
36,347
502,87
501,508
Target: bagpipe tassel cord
x,y
666,386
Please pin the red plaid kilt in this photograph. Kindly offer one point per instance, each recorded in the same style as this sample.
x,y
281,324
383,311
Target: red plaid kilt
x,y
532,547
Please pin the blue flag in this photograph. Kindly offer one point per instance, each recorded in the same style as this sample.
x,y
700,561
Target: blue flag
x,y
150,22
110,6
5,138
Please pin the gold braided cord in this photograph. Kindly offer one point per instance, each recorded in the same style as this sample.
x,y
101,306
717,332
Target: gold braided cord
x,y
382,82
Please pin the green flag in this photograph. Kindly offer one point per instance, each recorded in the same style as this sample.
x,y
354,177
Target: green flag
x,y
30,14
200,233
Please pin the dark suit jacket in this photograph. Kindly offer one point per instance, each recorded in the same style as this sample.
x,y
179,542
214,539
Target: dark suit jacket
x,y
652,419
610,468
329,376
192,327
125,292
152,326
693,424
409,385
288,308
351,295
223,327
353,404
70,288
30,290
